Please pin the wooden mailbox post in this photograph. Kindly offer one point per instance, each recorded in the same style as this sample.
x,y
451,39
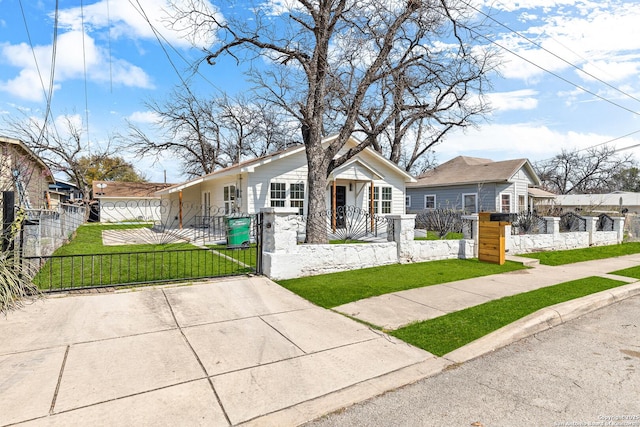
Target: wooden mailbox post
x,y
491,235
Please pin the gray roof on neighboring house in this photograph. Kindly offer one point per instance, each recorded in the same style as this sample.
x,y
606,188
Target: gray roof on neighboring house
x,y
472,170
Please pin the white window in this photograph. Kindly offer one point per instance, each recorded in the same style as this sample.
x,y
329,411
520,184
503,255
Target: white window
x,y
386,200
407,201
382,197
430,201
505,203
296,192
470,202
229,196
278,194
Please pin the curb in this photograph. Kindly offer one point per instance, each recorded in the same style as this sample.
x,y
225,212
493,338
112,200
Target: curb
x,y
541,320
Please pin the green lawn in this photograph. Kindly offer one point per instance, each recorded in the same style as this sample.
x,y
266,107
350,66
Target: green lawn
x,y
586,254
449,332
432,235
334,289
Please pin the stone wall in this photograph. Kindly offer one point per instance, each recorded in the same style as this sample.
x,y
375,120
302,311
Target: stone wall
x,y
284,258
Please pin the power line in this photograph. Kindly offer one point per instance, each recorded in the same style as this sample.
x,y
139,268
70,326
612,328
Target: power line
x,y
582,88
84,64
553,54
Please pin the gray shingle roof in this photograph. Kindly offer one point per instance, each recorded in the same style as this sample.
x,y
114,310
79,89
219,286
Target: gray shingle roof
x,y
470,170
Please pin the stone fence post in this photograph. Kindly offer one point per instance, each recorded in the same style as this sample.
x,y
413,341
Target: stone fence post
x,y
618,227
471,230
279,234
592,227
553,224
404,234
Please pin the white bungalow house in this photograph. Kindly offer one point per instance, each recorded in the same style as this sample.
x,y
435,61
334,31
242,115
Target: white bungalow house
x,y
279,180
474,184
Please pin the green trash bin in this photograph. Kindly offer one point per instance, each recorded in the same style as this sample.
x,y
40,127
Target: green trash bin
x,y
238,232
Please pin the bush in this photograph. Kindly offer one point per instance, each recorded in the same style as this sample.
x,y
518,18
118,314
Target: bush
x,y
16,283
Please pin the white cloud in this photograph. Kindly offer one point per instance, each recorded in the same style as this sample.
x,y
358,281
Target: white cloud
x,y
144,117
582,33
516,100
135,19
100,67
521,140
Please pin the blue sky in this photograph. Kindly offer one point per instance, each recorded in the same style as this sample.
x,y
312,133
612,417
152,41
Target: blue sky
x,y
109,62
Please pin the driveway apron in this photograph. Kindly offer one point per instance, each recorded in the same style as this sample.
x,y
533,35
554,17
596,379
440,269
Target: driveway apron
x,y
224,352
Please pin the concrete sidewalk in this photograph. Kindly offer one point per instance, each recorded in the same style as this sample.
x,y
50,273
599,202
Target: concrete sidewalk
x,y
241,351
397,309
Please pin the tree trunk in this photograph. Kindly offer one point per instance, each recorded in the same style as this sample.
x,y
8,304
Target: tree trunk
x,y
317,162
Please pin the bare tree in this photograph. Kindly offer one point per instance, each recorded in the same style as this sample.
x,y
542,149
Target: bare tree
x,y
187,129
326,62
419,102
61,149
210,133
583,172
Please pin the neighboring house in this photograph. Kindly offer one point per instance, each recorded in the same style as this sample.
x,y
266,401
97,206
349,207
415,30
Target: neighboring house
x,y
474,184
63,192
279,180
616,202
24,173
127,201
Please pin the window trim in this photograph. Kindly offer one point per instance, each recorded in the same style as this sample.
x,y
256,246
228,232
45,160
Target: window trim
x,y
475,198
434,201
407,201
281,201
294,200
502,195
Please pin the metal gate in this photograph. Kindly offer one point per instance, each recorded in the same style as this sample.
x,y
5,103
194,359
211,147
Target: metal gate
x,y
138,252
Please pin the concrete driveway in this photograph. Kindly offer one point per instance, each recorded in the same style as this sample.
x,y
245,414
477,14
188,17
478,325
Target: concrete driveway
x,y
226,352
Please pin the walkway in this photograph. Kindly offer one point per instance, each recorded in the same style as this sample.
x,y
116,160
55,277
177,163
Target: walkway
x,y
397,309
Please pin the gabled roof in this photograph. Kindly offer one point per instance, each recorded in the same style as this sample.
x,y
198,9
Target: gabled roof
x,y
27,150
251,165
474,170
123,190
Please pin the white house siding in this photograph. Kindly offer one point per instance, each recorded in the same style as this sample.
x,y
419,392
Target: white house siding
x,y
290,169
293,169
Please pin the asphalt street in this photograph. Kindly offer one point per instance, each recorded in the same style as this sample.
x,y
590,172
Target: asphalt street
x,y
585,372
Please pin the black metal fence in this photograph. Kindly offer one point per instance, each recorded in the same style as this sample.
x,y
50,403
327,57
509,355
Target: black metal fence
x,y
69,272
349,224
441,222
571,222
527,223
605,223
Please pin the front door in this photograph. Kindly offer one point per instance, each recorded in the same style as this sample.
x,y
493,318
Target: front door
x,y
341,202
